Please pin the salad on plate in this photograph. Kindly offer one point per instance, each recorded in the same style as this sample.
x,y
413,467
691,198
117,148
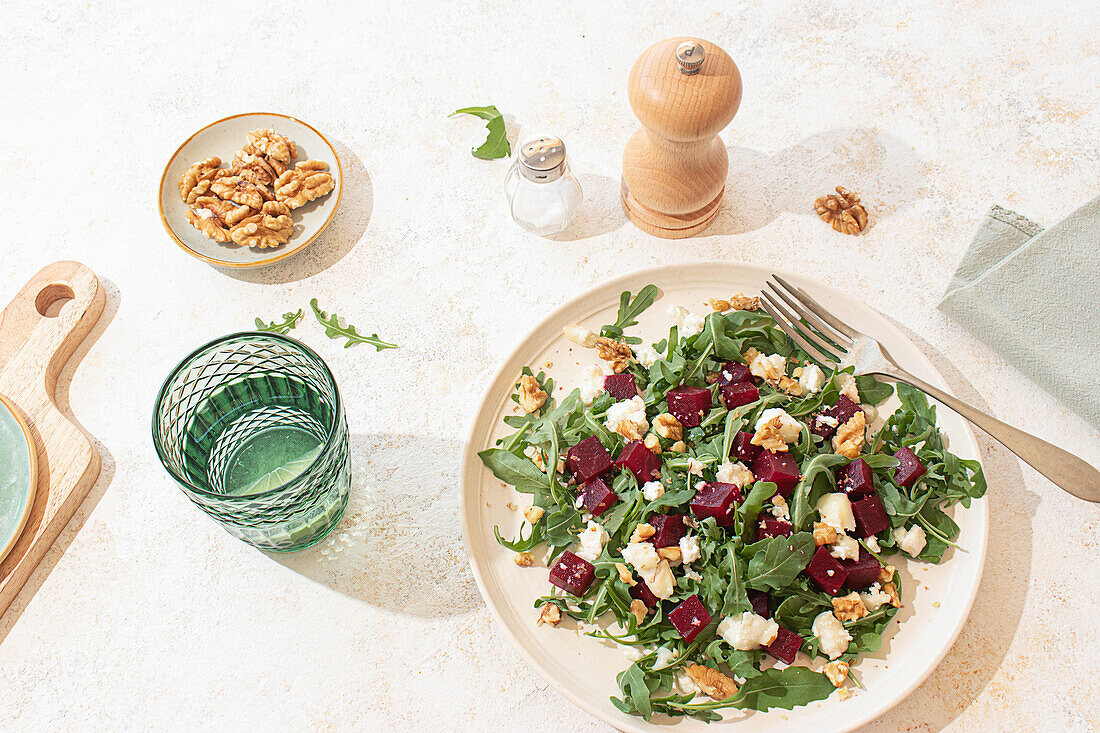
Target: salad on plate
x,y
723,508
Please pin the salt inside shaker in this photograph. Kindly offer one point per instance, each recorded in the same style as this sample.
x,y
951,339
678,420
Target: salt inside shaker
x,y
543,194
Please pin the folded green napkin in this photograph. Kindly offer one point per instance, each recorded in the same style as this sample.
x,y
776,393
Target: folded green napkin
x,y
1031,294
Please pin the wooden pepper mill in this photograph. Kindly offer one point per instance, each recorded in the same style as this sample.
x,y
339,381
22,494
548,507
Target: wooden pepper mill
x,y
684,91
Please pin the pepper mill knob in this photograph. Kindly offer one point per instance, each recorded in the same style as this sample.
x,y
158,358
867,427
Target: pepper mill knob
x,y
684,91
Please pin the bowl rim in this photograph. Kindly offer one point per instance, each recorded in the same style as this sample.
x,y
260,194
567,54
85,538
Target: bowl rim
x,y
222,264
32,490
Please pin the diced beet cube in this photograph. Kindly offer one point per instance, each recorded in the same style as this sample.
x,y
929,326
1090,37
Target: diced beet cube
x,y
760,605
856,479
779,468
689,405
572,574
732,372
786,645
770,526
587,459
621,386
718,500
841,412
639,460
862,571
598,496
739,393
642,592
909,467
669,529
744,449
871,517
826,571
689,618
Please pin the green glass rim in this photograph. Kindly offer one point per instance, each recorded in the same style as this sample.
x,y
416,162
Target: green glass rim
x,y
337,414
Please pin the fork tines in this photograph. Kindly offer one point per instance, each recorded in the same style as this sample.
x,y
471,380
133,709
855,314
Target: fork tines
x,y
818,332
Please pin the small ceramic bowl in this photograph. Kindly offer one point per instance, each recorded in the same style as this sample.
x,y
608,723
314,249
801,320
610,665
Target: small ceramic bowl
x,y
222,139
18,475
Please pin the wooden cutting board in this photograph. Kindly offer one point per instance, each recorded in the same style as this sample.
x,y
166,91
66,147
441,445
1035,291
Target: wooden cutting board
x,y
34,348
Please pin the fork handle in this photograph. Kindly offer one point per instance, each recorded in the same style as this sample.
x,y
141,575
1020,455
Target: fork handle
x,y
1066,470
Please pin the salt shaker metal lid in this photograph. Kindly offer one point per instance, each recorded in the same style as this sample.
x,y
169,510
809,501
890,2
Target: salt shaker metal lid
x,y
541,158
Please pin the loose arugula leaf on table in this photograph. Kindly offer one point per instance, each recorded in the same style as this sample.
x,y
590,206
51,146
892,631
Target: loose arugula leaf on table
x,y
283,327
334,330
496,143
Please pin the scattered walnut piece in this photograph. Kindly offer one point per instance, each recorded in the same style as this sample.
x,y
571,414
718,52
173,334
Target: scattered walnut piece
x,y
270,228
750,354
511,506
203,171
306,181
842,211
624,574
207,222
652,443
715,684
631,430
668,427
742,302
849,607
849,438
891,590
240,191
790,386
718,305
616,354
524,559
770,437
278,149
639,610
672,554
824,534
678,447
843,694
533,514
836,671
550,614
536,457
642,532
886,574
531,395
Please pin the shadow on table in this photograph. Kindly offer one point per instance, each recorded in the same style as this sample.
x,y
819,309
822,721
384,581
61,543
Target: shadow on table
x,y
600,211
881,168
982,644
399,545
347,227
99,488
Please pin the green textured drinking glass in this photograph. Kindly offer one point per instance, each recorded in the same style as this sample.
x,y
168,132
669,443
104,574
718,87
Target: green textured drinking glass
x,y
252,428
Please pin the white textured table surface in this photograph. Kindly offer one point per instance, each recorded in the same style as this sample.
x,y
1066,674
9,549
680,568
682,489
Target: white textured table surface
x,y
151,616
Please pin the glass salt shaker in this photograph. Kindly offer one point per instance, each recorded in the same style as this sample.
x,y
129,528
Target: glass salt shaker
x,y
543,194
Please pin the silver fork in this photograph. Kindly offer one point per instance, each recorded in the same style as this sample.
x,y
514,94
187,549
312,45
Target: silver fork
x,y
834,343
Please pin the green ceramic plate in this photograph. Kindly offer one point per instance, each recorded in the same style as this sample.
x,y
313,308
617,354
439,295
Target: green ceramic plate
x,y
18,475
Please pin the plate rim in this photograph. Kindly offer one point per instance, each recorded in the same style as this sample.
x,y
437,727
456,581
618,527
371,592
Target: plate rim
x,y
470,467
221,264
32,489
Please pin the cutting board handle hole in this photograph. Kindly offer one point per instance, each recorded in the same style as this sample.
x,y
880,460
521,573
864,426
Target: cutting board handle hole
x,y
52,298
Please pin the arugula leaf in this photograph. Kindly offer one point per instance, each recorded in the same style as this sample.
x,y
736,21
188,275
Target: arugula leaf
x,y
632,681
871,391
521,543
334,330
750,508
514,470
629,310
821,464
782,688
496,143
285,326
781,560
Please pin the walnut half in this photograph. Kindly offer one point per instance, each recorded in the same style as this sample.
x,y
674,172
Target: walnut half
x,y
303,183
270,228
842,211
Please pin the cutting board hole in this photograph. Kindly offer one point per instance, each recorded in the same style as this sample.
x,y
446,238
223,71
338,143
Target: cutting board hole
x,y
53,298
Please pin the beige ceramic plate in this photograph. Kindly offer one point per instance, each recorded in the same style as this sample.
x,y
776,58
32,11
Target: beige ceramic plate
x,y
222,139
584,669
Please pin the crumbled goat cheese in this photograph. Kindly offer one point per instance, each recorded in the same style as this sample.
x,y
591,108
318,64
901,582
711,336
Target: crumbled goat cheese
x,y
911,542
779,508
845,548
831,633
592,541
695,467
591,384
665,657
829,420
748,631
812,378
734,473
647,356
654,571
870,412
652,490
689,549
872,543
580,335
846,383
836,511
789,428
631,652
769,368
690,574
875,597
632,410
687,322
